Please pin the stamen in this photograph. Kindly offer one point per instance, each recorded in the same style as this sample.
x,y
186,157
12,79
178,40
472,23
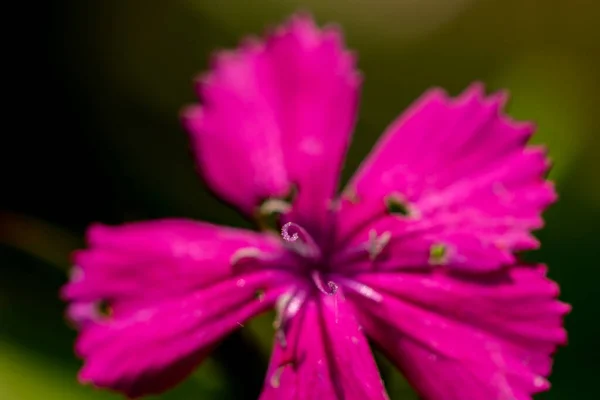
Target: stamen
x,y
438,254
280,337
331,288
267,215
290,306
250,259
373,248
377,243
286,235
269,212
276,377
361,289
244,254
301,241
274,206
350,195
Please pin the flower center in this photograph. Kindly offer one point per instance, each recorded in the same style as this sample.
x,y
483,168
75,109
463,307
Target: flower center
x,y
317,270
300,241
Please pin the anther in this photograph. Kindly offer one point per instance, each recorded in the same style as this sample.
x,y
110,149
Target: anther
x,y
372,248
438,254
377,243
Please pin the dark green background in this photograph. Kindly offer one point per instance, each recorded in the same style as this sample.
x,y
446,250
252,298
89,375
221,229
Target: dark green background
x,y
99,89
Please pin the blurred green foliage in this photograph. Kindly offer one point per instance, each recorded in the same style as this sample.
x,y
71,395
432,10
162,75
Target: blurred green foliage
x,y
121,70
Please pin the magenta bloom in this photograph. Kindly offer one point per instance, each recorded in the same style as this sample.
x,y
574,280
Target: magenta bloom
x,y
416,253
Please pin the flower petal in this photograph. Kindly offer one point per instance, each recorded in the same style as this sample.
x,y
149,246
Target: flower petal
x,y
463,179
484,336
326,357
148,261
172,290
274,114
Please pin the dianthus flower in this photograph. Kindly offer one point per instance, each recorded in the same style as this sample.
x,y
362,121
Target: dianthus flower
x,y
417,253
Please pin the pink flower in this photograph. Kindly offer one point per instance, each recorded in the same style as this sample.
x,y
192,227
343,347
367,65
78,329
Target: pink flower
x,y
417,253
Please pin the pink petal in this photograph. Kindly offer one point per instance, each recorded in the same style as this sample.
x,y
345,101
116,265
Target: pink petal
x,y
275,113
484,336
327,357
149,261
462,170
173,289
